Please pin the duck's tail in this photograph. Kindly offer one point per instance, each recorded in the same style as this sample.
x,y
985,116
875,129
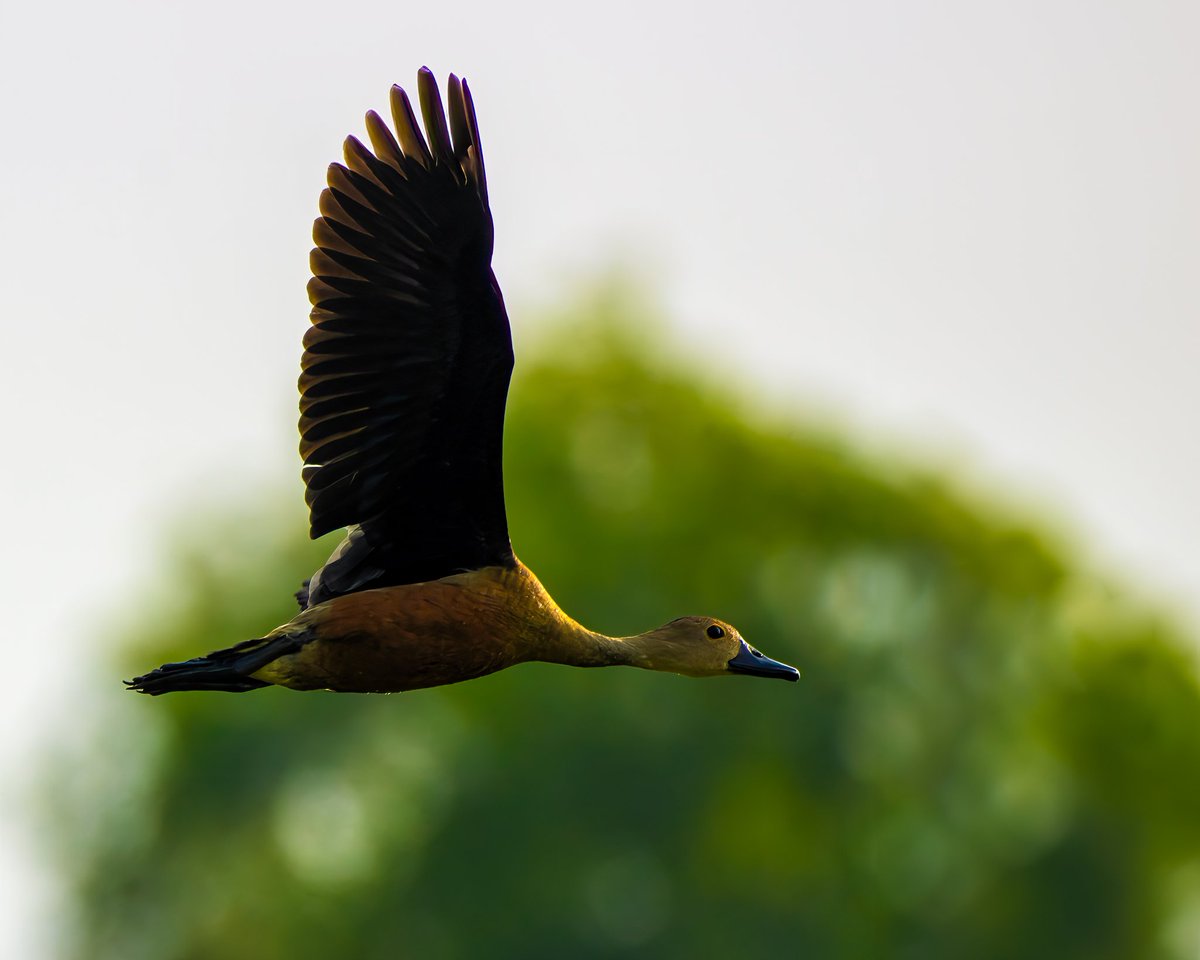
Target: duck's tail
x,y
229,669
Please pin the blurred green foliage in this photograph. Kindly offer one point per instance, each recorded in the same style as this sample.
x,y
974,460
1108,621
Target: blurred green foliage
x,y
989,754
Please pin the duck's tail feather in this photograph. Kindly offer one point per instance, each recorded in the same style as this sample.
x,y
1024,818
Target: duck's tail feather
x,y
229,669
199,673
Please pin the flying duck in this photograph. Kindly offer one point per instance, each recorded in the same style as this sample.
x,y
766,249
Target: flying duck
x,y
404,377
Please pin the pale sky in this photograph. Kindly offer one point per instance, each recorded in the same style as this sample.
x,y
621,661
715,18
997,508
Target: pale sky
x,y
973,227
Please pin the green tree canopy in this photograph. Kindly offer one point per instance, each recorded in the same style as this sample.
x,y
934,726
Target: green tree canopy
x,y
989,754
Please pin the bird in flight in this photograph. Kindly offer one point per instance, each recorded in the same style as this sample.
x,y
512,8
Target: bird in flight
x,y
404,378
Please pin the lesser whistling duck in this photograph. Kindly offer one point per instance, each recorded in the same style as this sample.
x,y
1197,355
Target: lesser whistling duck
x,y
404,378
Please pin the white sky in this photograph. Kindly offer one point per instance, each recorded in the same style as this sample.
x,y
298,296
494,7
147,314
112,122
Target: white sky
x,y
975,226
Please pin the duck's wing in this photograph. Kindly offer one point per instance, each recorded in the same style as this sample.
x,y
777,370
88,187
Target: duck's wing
x,y
407,362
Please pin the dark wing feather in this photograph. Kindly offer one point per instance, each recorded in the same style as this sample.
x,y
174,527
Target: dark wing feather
x,y
407,362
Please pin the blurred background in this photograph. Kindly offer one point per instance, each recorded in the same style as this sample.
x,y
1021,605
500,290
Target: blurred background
x,y
871,328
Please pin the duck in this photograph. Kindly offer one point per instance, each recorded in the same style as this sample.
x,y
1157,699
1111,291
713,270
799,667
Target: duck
x,y
404,377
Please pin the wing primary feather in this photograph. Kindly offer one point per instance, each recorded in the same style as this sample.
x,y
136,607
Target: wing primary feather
x,y
333,211
323,265
476,148
407,130
460,133
435,118
320,292
327,237
384,144
339,180
356,157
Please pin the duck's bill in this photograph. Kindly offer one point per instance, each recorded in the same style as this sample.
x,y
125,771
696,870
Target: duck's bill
x,y
750,661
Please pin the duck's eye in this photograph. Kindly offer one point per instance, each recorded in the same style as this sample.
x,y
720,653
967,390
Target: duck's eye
x,y
715,632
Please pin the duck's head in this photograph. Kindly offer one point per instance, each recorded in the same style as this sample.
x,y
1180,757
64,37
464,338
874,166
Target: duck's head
x,y
704,647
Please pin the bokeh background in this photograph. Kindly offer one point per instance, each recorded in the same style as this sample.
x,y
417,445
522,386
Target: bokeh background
x,y
872,328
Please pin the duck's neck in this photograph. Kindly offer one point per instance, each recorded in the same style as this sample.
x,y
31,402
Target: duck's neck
x,y
580,647
554,637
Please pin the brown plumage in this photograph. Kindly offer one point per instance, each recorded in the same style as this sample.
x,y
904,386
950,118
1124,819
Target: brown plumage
x,y
404,378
